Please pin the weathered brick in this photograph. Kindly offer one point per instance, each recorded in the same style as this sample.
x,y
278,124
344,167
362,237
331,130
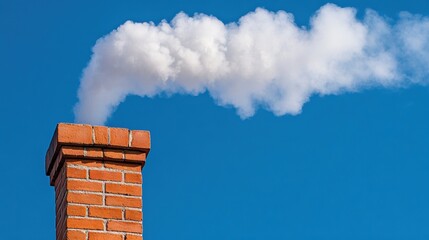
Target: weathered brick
x,y
133,178
69,151
140,139
76,210
124,166
104,212
94,153
82,185
84,198
135,156
76,235
123,189
133,215
123,201
113,154
76,173
104,236
122,226
84,163
119,137
101,135
74,133
83,223
132,237
105,175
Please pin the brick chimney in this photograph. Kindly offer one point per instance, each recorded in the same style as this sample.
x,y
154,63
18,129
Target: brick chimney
x,y
97,176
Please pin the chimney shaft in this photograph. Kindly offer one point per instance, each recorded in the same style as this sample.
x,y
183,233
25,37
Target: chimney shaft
x,y
97,176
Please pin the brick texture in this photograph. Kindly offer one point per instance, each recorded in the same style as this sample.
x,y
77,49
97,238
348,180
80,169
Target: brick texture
x,y
97,176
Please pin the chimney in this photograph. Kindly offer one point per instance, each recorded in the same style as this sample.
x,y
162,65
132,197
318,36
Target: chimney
x,y
97,174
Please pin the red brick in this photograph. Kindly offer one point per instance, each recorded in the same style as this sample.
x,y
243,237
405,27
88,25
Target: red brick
x,y
82,223
94,153
119,137
124,226
140,139
76,211
76,173
103,212
85,163
75,235
104,236
74,133
69,151
80,185
135,156
132,237
123,189
123,201
133,215
101,135
113,154
133,178
84,198
134,167
105,175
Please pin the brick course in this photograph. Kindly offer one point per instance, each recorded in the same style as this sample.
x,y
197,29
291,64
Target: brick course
x,y
97,176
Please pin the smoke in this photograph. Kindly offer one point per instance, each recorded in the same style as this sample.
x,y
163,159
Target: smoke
x,y
263,61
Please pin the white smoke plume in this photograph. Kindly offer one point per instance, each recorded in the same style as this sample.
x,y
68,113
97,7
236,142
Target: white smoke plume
x,y
263,61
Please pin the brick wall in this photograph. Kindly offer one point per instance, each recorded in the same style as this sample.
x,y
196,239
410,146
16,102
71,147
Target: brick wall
x,y
97,176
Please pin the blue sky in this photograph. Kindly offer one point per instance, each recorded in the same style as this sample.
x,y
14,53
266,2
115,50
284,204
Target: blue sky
x,y
352,166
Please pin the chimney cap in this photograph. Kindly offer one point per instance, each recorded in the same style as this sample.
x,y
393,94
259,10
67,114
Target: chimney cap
x,y
103,140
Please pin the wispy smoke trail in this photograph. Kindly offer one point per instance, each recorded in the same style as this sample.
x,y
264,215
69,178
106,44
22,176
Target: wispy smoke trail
x,y
263,61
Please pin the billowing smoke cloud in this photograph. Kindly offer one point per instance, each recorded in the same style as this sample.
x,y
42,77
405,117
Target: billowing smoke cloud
x,y
263,61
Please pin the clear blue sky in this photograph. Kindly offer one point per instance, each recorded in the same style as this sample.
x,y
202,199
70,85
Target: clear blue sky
x,y
353,166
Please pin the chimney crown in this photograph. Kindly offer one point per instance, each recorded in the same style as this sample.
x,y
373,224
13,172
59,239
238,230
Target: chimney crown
x,y
95,143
